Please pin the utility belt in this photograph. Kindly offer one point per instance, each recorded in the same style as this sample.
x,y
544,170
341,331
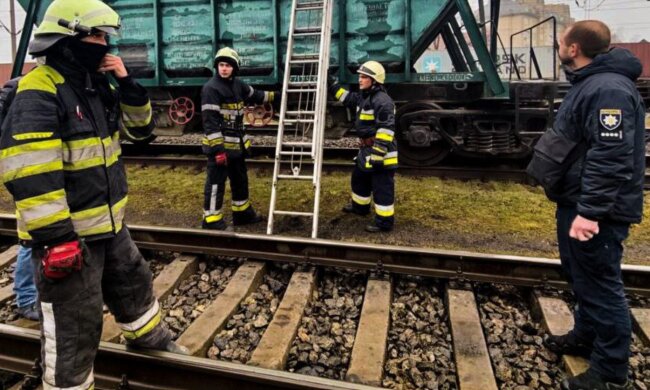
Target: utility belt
x,y
366,141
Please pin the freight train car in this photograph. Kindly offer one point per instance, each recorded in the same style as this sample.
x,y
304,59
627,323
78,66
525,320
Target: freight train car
x,y
169,45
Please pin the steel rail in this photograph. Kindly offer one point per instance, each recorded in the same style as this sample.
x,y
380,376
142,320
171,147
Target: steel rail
x,y
460,173
446,264
155,370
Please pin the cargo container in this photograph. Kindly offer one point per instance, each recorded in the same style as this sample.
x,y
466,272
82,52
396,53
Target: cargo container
x,y
477,107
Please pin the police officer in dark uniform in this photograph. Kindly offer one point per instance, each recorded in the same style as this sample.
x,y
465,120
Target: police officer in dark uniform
x,y
373,175
225,143
592,164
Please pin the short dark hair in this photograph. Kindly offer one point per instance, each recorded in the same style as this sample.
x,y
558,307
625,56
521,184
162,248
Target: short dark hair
x,y
592,36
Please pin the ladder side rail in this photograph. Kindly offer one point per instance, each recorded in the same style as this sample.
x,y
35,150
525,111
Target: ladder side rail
x,y
283,110
321,110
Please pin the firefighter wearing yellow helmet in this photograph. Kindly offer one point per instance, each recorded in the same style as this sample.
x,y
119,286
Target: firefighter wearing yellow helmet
x,y
373,175
225,143
60,160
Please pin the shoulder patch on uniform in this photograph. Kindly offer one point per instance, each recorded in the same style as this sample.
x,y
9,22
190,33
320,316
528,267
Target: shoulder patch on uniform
x,y
611,119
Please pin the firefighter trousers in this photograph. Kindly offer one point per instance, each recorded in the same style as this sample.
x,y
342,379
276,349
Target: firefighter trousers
x,y
113,272
215,187
378,186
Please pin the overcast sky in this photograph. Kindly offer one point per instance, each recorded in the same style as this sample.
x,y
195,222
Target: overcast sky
x,y
628,19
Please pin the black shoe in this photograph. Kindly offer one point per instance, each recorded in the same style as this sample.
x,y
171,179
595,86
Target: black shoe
x,y
350,209
256,218
29,312
377,229
567,344
216,226
589,380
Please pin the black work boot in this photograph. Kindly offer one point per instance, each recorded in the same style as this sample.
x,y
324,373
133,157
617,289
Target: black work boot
x,y
350,209
247,219
568,344
589,380
372,228
219,225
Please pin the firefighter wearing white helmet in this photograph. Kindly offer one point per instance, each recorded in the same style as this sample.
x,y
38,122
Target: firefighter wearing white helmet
x,y
225,143
60,160
373,175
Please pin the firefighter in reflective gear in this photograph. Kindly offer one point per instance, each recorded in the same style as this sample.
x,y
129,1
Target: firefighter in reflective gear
x,y
225,143
373,176
60,160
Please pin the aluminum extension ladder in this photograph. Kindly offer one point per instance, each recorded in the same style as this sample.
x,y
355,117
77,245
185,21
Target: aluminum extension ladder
x,y
299,148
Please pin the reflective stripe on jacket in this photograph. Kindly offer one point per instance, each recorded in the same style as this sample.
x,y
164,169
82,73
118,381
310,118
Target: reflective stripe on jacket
x,y
60,155
222,111
375,118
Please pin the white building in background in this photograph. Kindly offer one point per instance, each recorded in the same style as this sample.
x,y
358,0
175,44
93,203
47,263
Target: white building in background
x,y
5,37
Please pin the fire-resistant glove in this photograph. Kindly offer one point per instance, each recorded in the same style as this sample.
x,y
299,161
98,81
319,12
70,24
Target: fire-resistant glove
x,y
63,259
221,158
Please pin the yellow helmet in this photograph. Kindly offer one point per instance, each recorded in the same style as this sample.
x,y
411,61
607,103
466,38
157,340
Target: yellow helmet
x,y
229,56
374,70
90,14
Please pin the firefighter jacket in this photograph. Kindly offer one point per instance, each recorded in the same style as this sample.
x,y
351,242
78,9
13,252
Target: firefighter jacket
x,y
375,125
222,110
60,151
594,156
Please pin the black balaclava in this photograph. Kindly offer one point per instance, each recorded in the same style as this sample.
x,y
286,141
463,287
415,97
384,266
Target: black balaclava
x,y
88,55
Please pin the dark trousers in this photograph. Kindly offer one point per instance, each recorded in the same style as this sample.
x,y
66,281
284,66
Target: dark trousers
x,y
114,272
215,187
378,185
593,268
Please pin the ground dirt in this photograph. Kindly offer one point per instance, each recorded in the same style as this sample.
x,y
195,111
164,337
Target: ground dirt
x,y
491,217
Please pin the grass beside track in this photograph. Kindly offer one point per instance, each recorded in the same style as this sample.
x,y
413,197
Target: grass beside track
x,y
485,217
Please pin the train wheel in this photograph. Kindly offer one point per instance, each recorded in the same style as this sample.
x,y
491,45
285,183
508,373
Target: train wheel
x,y
416,143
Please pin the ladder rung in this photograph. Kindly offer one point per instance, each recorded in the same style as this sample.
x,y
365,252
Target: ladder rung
x,y
307,34
314,8
296,177
308,90
299,120
297,144
300,112
302,30
284,153
314,61
294,213
305,56
311,4
303,84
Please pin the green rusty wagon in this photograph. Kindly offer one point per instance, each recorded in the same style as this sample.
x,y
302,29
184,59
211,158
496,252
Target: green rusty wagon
x,y
169,45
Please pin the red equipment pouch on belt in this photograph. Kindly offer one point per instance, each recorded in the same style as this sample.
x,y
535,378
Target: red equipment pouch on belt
x,y
63,259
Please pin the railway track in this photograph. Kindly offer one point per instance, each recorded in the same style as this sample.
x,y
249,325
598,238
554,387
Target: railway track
x,y
374,314
336,160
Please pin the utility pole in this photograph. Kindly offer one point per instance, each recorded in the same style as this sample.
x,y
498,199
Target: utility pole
x,y
12,16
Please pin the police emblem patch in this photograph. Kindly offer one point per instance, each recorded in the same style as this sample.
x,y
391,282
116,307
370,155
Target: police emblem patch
x,y
610,118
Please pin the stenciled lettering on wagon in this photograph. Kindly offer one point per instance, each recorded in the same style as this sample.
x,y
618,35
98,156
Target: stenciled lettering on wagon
x,y
246,28
378,30
137,27
187,56
446,77
183,26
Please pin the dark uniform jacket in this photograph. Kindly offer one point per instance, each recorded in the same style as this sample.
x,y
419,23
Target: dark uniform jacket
x,y
375,124
222,110
60,151
594,156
